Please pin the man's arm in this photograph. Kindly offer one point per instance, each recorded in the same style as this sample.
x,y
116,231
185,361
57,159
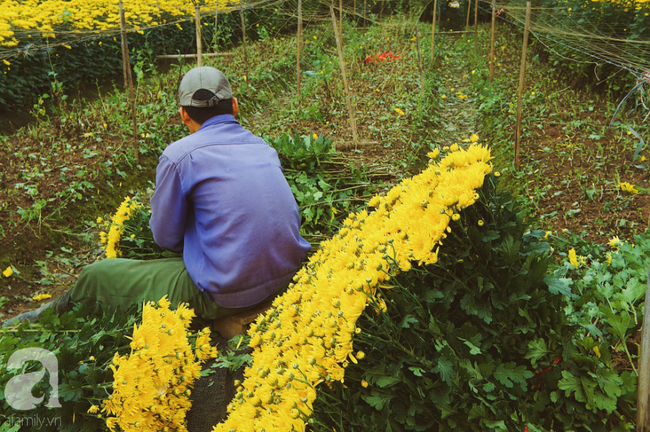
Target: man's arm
x,y
168,208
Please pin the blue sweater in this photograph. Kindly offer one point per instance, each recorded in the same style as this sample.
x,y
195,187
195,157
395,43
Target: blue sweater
x,y
222,201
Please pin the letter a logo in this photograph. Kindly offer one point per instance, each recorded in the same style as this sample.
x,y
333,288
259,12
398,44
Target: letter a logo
x,y
18,391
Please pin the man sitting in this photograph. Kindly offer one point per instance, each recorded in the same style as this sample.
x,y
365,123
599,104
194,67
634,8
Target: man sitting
x,y
222,202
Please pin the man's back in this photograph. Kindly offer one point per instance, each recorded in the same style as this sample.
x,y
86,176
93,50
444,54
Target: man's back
x,y
221,199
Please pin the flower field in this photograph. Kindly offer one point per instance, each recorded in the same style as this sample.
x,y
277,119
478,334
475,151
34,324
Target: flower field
x,y
447,289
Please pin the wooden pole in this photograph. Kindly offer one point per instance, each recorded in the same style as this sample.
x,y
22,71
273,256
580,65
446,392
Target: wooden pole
x,y
381,12
184,56
643,388
127,67
162,33
243,32
124,46
433,27
364,13
521,84
417,38
216,26
494,11
299,44
469,7
341,15
199,45
339,47
475,24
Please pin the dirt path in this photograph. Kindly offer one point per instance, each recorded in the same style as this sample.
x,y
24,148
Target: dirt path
x,y
458,107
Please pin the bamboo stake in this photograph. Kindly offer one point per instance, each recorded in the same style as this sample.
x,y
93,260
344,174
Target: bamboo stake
x,y
521,84
184,56
364,13
417,38
475,24
162,33
643,388
123,36
381,12
199,46
216,26
433,27
298,44
339,47
494,9
469,7
243,32
341,15
127,67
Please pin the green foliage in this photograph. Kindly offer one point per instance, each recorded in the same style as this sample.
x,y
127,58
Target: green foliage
x,y
299,151
84,349
478,341
324,186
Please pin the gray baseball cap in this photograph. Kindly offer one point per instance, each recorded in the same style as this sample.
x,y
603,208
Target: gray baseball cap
x,y
204,78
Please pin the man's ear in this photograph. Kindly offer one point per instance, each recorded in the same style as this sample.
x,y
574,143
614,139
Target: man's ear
x,y
192,125
235,106
184,116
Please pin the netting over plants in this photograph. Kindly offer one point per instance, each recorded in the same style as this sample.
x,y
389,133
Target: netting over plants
x,y
599,32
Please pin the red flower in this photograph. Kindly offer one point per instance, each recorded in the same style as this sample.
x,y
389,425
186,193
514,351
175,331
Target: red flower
x,y
381,57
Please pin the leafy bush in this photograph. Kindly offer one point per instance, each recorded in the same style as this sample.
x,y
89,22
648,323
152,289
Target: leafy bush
x,y
84,348
478,341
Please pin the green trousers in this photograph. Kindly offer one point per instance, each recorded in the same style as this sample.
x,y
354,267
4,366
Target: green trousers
x,y
125,282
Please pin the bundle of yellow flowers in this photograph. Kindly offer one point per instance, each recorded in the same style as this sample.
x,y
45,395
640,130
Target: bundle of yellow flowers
x,y
47,17
306,339
152,385
116,227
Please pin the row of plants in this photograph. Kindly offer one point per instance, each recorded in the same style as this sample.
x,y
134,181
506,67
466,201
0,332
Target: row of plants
x,y
84,51
55,43
582,159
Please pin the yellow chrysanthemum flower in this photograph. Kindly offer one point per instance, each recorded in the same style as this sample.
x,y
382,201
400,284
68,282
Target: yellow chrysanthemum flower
x,y
8,272
573,258
627,187
614,242
41,297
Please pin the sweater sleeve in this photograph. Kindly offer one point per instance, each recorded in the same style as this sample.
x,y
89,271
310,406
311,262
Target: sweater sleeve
x,y
168,208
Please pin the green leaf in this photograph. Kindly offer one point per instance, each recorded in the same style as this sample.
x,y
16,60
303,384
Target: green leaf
x,y
445,369
408,320
558,286
619,323
487,388
496,424
70,390
491,235
473,349
378,400
537,349
509,374
386,381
